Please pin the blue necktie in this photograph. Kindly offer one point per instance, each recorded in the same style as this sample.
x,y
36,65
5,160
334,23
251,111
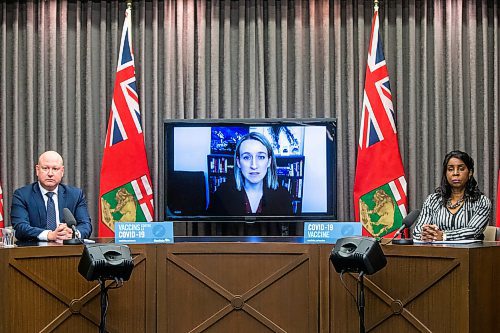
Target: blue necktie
x,y
51,212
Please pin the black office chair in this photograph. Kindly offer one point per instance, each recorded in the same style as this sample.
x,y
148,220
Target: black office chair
x,y
187,193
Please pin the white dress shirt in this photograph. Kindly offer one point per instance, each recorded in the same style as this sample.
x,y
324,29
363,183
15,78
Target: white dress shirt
x,y
44,235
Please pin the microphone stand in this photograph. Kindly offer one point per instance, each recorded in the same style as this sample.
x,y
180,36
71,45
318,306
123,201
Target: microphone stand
x,y
403,240
73,240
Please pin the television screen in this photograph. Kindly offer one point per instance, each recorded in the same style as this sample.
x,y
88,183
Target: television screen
x,y
250,169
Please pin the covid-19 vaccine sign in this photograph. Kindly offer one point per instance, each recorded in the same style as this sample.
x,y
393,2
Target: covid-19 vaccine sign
x,y
330,232
144,232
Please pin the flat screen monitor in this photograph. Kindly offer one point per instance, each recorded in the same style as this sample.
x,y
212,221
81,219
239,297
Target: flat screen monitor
x,y
250,170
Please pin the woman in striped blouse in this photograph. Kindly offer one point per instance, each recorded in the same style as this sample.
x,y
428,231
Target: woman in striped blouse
x,y
458,209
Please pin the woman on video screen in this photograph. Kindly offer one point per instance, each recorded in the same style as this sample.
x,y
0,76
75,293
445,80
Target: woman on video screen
x,y
255,189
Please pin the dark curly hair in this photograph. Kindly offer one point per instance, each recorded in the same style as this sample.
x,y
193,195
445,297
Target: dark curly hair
x,y
472,191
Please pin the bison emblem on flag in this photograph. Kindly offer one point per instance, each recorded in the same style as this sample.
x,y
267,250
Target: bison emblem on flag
x,y
380,212
128,203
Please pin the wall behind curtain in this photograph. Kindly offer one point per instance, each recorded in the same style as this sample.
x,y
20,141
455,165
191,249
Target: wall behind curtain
x,y
248,59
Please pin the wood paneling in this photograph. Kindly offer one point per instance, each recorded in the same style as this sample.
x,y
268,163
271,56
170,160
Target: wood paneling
x,y
238,287
45,292
422,289
253,287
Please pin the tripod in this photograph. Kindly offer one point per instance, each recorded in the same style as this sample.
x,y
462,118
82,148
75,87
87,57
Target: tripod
x,y
104,305
361,301
104,299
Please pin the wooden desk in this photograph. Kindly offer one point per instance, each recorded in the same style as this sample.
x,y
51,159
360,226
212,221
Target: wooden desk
x,y
423,288
238,287
252,287
42,291
184,287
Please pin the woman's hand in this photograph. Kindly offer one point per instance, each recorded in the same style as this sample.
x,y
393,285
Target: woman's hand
x,y
430,233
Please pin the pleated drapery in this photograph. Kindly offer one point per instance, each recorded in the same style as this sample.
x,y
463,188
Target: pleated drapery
x,y
248,59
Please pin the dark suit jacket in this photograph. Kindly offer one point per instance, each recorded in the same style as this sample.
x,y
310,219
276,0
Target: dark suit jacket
x,y
28,213
228,201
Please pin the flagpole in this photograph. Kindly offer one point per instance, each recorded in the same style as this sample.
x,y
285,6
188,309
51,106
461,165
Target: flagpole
x,y
375,4
128,18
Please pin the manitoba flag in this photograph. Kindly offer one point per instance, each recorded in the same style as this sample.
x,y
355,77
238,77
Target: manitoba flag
x,y
1,208
125,192
379,184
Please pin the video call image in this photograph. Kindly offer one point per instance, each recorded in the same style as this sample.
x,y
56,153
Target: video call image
x,y
278,171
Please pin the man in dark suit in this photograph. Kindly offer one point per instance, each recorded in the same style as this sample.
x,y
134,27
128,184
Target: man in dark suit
x,y
36,212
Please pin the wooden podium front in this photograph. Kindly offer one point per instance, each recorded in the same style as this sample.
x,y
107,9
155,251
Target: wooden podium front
x,y
423,288
42,291
253,287
184,287
238,287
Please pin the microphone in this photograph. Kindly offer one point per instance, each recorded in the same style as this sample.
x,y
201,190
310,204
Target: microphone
x,y
70,221
407,223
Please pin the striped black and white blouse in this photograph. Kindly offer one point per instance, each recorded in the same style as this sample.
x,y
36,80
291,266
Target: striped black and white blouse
x,y
467,223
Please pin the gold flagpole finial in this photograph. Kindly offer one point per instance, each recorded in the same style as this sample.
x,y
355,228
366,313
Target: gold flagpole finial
x,y
375,4
129,4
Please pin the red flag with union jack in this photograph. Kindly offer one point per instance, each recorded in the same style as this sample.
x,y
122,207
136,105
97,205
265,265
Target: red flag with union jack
x,y
125,191
1,208
379,184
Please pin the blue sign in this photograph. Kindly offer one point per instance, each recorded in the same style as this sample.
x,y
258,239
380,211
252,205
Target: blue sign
x,y
144,232
330,232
